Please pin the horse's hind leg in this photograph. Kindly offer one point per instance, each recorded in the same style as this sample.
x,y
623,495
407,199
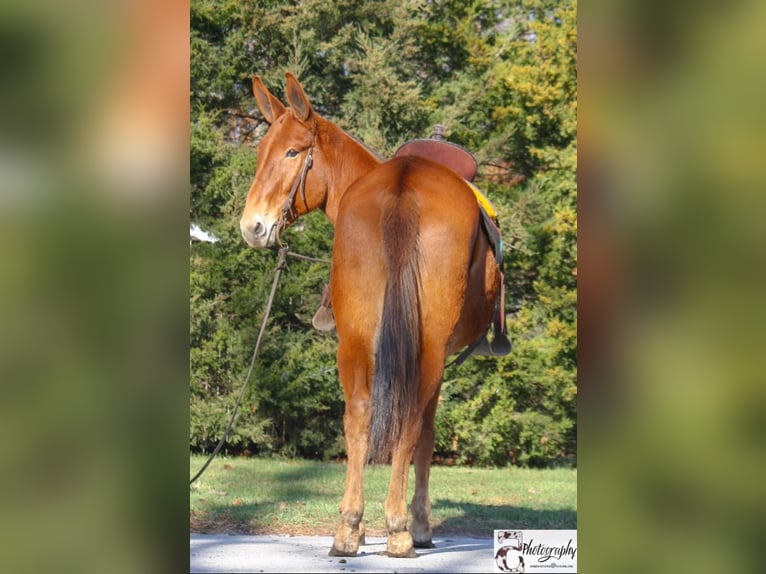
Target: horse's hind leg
x,y
421,503
400,543
418,440
353,374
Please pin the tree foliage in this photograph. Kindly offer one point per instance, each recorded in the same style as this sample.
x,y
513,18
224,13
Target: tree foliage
x,y
501,76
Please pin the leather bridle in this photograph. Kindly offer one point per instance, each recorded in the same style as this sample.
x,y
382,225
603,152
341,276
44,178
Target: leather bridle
x,y
299,183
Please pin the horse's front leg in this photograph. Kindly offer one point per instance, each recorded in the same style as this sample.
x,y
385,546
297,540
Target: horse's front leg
x,y
356,425
421,503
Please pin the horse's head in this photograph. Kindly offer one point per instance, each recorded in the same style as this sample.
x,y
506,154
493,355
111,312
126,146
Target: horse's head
x,y
285,186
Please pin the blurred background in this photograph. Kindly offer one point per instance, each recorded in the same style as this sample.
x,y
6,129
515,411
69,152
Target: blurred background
x,y
94,285
672,262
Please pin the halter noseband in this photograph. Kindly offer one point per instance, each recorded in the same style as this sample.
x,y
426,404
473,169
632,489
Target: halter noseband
x,y
300,182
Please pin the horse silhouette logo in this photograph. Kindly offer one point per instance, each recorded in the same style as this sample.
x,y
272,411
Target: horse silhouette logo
x,y
509,556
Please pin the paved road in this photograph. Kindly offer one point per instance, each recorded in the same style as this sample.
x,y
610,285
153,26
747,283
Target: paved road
x,y
272,554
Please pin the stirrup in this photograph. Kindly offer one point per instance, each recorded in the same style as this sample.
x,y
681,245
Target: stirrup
x,y
323,319
499,346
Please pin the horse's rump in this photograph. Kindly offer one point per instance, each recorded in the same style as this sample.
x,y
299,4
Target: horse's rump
x,y
389,213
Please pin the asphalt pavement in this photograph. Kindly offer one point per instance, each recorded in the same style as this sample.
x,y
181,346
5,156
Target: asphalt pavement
x,y
272,554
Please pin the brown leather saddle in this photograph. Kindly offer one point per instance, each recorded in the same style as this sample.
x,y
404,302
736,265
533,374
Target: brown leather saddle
x,y
494,341
441,151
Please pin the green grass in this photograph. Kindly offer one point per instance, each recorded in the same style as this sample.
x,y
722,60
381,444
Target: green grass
x,y
301,497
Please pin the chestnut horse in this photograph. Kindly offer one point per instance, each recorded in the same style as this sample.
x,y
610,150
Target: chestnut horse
x,y
413,280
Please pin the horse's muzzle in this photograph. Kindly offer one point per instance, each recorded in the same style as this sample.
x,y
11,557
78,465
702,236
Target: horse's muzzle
x,y
258,233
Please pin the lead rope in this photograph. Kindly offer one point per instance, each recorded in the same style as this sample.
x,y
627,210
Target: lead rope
x,y
281,264
300,183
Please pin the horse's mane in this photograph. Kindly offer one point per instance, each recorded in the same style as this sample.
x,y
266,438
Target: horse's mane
x,y
375,153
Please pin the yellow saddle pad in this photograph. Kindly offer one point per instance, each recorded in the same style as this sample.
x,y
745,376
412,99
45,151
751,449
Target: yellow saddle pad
x,y
483,201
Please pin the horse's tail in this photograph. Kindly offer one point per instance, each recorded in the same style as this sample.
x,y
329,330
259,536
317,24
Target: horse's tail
x,y
398,348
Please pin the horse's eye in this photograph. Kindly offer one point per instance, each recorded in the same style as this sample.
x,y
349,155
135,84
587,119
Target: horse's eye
x,y
291,153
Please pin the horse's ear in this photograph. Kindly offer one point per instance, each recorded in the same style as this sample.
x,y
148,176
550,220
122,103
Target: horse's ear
x,y
296,97
270,107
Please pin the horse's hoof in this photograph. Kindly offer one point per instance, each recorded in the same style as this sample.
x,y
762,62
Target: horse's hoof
x,y
336,552
421,534
346,541
400,545
410,554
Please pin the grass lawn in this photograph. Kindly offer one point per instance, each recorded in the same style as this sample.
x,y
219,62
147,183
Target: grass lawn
x,y
250,495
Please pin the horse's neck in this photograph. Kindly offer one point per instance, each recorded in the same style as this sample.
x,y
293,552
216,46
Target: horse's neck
x,y
350,159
